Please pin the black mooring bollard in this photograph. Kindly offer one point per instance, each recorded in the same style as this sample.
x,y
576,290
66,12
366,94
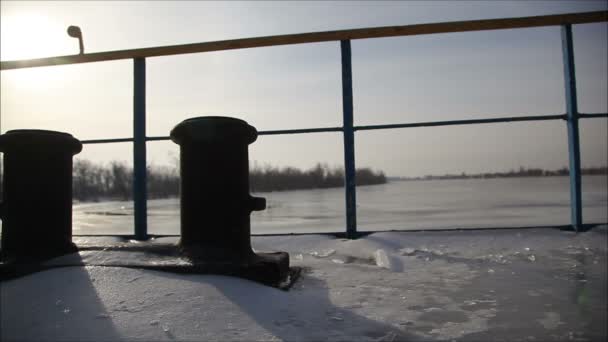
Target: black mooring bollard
x,y
36,209
215,199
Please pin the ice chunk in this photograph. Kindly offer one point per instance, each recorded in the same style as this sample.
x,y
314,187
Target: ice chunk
x,y
323,254
407,251
382,259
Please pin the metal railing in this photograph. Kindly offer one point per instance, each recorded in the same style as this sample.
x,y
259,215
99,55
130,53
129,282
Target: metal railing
x,y
348,129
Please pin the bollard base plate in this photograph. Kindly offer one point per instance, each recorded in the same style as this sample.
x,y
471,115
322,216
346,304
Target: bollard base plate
x,y
36,252
270,269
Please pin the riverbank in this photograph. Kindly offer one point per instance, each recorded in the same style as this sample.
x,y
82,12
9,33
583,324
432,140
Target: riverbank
x,y
522,172
94,182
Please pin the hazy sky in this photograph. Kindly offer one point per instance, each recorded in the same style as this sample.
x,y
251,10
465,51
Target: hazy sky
x,y
396,80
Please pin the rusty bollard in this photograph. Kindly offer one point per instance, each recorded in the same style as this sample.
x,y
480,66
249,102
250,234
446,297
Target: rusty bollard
x,y
36,209
215,199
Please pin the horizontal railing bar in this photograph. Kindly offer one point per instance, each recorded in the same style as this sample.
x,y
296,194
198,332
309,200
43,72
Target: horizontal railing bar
x,y
302,130
283,131
157,138
104,141
316,37
593,115
371,127
462,122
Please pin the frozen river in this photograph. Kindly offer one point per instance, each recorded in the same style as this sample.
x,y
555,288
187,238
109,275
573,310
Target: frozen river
x,y
406,205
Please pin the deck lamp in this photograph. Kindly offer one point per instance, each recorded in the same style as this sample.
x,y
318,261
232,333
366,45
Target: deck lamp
x,y
75,32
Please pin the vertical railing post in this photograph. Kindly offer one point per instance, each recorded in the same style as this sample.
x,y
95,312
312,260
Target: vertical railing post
x,y
139,149
572,122
349,140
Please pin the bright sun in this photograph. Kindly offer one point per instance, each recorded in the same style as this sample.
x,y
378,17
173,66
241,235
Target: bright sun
x,y
32,35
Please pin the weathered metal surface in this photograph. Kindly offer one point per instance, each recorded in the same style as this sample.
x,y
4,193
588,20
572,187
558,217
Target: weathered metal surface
x,y
215,200
36,207
166,257
574,152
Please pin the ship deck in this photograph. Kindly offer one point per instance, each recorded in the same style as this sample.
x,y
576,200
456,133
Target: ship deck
x,y
482,285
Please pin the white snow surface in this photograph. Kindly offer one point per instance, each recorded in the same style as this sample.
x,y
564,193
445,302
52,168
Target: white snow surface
x,y
384,287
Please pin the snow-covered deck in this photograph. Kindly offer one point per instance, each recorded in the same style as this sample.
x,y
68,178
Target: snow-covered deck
x,y
492,285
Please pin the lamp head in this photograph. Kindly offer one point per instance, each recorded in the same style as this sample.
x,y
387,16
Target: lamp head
x,y
74,31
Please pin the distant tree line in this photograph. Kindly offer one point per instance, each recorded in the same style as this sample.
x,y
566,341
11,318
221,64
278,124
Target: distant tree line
x,y
522,172
94,182
268,178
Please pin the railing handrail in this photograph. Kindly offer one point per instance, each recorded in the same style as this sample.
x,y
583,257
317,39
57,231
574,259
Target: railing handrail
x,y
316,37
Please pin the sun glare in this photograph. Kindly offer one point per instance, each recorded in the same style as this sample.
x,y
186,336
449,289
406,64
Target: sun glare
x,y
33,35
